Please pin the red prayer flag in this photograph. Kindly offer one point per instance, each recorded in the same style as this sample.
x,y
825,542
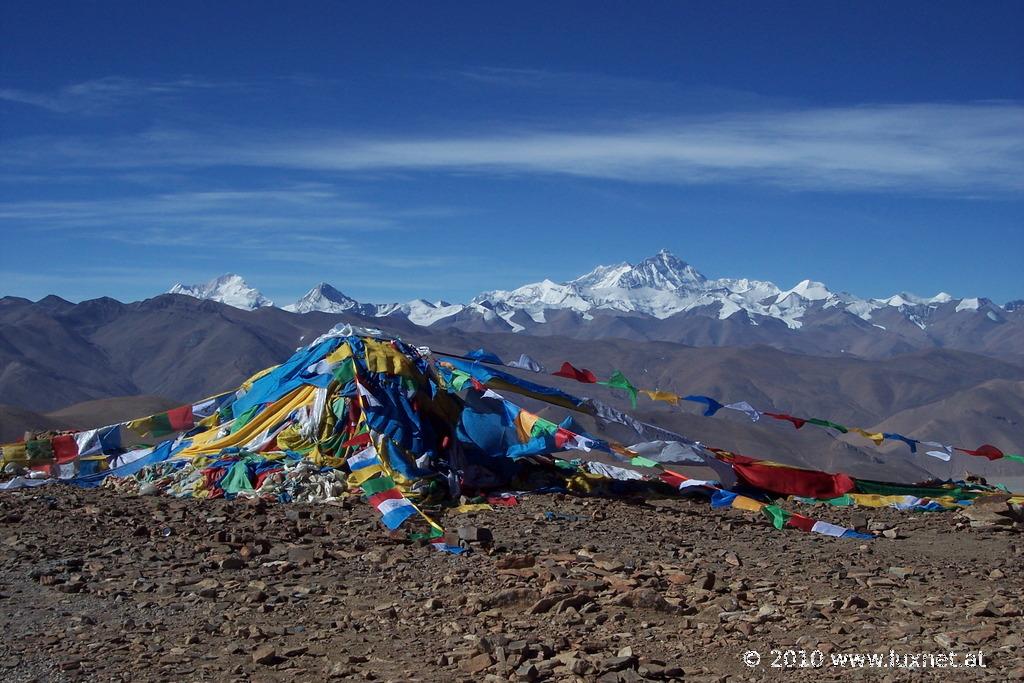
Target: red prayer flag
x,y
562,437
790,481
798,422
357,440
65,449
390,494
986,450
671,478
800,522
181,418
580,375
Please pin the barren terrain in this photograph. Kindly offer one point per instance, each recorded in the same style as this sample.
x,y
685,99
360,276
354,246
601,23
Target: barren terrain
x,y
99,586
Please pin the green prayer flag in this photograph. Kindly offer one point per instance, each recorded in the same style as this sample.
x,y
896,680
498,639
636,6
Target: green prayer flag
x,y
619,381
826,423
377,484
543,427
641,461
237,478
345,372
883,489
244,418
459,380
160,425
776,514
1018,458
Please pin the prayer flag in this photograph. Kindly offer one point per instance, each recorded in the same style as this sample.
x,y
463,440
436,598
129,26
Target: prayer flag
x,y
580,375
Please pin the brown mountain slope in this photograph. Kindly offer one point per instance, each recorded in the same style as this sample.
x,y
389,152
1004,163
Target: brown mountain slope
x,y
109,410
991,412
14,421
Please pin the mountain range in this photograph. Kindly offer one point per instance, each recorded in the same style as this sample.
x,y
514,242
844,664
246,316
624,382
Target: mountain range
x,y
663,298
110,360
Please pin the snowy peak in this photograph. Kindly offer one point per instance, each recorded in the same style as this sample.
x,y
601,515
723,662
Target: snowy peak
x,y
807,290
227,289
323,298
663,271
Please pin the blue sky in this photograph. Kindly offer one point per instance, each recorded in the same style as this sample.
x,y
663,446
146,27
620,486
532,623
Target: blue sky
x,y
400,150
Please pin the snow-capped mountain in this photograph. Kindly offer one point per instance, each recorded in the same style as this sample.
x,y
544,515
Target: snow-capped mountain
x,y
228,289
324,298
662,286
665,298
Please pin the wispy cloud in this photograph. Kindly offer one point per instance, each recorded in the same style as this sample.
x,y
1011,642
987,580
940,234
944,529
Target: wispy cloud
x,y
560,82
932,148
308,223
108,94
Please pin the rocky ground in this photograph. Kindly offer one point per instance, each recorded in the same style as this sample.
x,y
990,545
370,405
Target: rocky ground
x,y
100,586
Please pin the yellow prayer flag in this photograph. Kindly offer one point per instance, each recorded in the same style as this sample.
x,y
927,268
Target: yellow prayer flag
x,y
877,437
666,396
749,504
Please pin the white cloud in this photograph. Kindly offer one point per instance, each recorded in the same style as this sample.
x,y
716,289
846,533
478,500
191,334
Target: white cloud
x,y
930,148
106,95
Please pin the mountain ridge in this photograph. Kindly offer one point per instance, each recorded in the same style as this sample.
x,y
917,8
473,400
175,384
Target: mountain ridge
x,y
665,298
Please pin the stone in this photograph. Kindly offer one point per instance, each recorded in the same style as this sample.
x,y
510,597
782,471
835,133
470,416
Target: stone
x,y
302,556
474,534
986,517
233,562
265,654
645,598
982,608
608,564
854,602
515,562
528,672
475,665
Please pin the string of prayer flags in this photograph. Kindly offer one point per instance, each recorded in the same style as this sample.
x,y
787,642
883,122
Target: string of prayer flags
x,y
619,381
